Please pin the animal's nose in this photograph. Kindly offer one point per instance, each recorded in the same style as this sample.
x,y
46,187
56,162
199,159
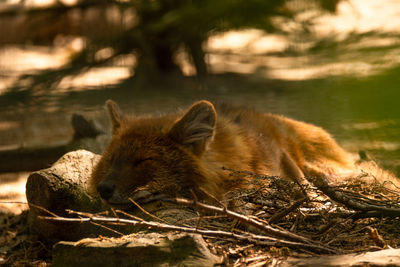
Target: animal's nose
x,y
106,189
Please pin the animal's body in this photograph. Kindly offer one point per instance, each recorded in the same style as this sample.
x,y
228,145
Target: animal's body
x,y
174,153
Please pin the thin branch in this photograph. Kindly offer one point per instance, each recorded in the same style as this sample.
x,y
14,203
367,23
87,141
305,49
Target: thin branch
x,y
212,197
198,213
255,239
246,220
203,217
282,213
376,237
43,209
129,215
356,203
145,211
107,228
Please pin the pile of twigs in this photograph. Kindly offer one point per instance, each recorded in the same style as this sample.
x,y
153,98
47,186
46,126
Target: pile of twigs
x,y
327,220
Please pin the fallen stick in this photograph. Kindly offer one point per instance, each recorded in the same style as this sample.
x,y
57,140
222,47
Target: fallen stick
x,y
246,220
251,238
356,203
280,214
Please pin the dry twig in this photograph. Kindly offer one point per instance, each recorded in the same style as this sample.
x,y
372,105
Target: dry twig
x,y
354,201
246,220
280,214
251,238
145,211
376,237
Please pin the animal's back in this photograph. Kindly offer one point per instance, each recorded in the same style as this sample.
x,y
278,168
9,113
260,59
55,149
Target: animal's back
x,y
276,136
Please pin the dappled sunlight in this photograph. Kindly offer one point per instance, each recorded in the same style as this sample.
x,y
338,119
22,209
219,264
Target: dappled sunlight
x,y
39,2
322,70
379,139
16,59
12,190
231,63
36,3
361,16
69,2
253,51
247,42
375,42
290,68
367,145
369,125
94,77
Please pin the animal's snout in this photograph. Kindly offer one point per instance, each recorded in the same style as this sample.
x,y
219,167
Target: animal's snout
x,y
106,189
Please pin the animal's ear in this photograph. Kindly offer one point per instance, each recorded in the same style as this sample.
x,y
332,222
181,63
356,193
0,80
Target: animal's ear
x,y
115,114
196,128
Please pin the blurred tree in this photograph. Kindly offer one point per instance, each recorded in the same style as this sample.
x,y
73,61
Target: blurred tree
x,y
153,29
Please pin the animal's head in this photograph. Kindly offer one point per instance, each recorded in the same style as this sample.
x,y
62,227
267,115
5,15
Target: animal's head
x,y
152,157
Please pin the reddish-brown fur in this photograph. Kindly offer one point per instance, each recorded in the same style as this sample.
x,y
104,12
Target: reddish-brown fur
x,y
171,154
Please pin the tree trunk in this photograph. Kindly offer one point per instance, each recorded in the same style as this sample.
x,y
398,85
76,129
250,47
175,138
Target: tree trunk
x,y
195,47
63,186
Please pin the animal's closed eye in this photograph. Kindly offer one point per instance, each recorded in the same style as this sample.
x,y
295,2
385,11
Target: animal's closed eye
x,y
139,161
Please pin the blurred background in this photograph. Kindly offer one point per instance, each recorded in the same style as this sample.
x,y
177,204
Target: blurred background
x,y
334,63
